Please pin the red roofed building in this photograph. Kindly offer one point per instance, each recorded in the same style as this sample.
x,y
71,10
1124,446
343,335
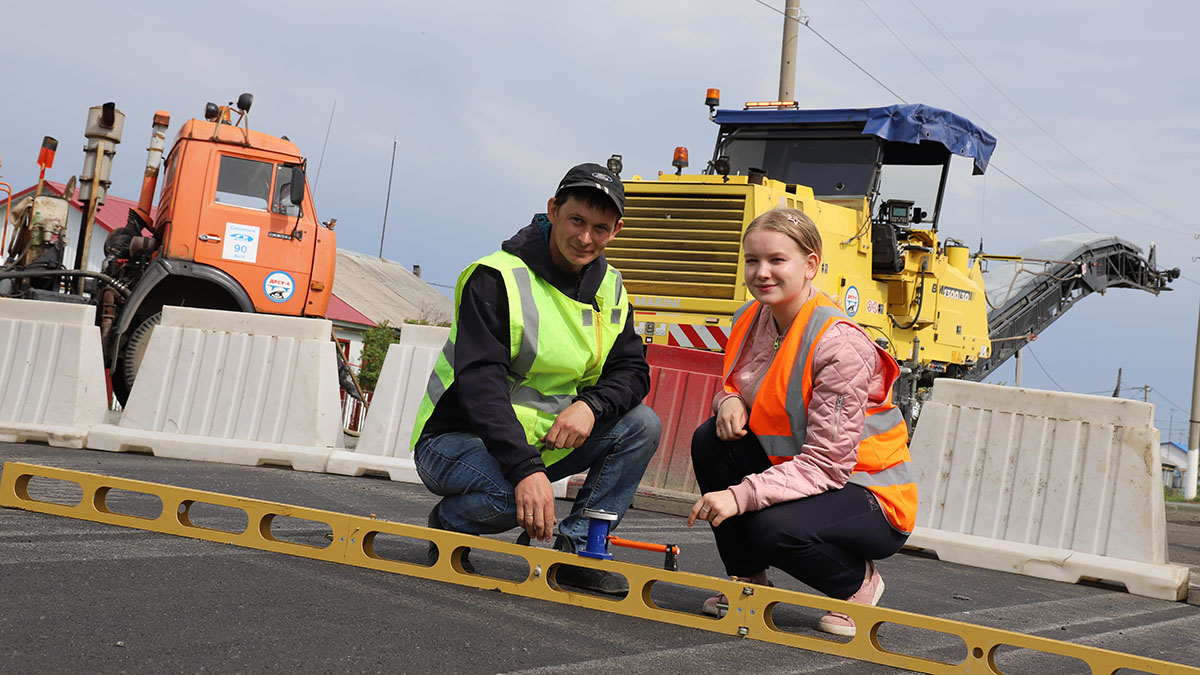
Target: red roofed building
x,y
339,311
348,326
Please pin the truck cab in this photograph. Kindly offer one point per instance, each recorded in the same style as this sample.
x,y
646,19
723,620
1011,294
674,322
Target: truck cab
x,y
227,204
235,229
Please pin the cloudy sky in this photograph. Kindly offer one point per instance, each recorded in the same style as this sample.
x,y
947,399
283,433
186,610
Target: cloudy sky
x,y
1093,103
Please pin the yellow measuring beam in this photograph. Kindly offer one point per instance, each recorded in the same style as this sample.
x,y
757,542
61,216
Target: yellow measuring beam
x,y
751,607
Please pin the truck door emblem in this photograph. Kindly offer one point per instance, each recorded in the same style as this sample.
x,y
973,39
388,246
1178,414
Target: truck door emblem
x,y
851,301
279,286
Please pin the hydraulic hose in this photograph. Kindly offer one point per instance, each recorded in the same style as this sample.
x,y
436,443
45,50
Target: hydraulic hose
x,y
103,278
920,299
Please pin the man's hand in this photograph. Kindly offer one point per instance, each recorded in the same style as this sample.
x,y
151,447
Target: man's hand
x,y
572,427
731,419
714,507
535,506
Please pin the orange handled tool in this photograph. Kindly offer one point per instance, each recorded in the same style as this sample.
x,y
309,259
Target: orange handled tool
x,y
672,551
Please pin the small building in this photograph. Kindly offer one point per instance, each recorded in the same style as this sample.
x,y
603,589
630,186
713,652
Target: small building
x,y
382,290
386,290
1174,462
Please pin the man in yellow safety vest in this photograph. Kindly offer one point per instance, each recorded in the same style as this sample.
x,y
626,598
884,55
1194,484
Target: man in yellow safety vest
x,y
542,378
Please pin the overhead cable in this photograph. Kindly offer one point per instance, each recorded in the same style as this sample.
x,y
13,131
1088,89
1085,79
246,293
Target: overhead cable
x,y
833,47
1008,141
1039,363
1028,189
1035,123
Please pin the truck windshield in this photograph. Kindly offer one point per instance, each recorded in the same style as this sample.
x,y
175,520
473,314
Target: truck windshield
x,y
284,175
832,167
244,182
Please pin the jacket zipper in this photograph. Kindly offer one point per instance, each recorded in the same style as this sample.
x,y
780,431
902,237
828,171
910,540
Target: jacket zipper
x,y
837,414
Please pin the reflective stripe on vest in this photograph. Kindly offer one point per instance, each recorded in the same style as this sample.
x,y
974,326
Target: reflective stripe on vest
x,y
799,396
530,319
576,339
896,475
779,416
436,388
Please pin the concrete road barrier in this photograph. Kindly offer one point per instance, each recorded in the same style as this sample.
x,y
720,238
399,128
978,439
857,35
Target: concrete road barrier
x,y
52,385
1047,484
232,387
383,447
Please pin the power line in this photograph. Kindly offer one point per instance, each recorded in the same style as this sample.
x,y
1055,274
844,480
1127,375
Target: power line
x,y
1034,122
832,46
902,100
1143,388
1030,190
1008,141
1039,363
1163,397
929,70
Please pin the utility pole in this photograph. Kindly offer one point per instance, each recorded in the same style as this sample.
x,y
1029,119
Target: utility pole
x,y
1189,475
787,60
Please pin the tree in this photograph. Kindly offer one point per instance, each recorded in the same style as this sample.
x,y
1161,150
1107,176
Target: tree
x,y
375,348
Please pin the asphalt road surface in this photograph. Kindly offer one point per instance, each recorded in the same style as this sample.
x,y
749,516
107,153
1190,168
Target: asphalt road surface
x,y
86,597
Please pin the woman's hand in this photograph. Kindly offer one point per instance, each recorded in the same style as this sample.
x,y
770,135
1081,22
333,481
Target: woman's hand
x,y
714,507
731,419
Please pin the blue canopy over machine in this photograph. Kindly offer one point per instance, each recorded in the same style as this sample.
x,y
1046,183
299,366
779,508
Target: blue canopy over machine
x,y
914,123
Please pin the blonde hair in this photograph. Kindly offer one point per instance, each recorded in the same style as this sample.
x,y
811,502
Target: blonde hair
x,y
792,223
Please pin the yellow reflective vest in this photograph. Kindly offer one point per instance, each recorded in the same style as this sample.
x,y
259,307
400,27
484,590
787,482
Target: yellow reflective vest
x,y
557,346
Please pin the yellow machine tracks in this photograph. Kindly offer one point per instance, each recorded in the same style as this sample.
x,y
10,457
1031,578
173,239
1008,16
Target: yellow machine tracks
x,y
751,607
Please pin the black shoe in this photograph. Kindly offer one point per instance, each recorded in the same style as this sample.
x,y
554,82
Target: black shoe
x,y
561,543
588,579
431,554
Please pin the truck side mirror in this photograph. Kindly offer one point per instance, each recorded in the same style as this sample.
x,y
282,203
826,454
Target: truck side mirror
x,y
297,186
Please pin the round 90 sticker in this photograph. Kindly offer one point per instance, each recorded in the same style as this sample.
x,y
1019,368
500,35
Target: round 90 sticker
x,y
851,301
279,286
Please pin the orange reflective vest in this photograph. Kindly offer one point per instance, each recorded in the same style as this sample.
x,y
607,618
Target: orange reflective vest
x,y
779,415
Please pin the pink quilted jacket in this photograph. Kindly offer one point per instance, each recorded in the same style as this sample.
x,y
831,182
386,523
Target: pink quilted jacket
x,y
847,379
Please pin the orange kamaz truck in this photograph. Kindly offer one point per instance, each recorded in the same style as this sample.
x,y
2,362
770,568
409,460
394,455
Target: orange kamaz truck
x,y
235,229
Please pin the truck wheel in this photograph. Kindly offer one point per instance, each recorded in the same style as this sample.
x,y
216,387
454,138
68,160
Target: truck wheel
x,y
131,357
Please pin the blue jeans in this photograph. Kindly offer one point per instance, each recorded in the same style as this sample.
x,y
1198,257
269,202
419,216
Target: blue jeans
x,y
478,499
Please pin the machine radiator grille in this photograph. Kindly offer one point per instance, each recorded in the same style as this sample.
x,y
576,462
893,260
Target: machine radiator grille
x,y
680,245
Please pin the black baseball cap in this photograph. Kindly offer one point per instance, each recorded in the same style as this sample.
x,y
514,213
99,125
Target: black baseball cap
x,y
598,177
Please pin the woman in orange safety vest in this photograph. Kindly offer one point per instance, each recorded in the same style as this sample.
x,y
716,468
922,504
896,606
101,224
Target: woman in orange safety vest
x,y
804,466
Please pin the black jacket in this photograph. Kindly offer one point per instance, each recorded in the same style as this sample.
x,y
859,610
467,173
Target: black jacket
x,y
477,402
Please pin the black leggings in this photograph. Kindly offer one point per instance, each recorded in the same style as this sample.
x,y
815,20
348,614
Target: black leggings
x,y
823,540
